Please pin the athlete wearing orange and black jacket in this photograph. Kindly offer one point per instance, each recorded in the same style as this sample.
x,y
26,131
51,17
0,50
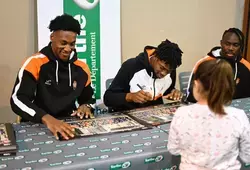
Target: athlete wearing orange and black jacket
x,y
232,45
147,79
47,85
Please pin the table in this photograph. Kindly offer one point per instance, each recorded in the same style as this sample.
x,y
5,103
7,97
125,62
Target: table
x,y
38,149
137,150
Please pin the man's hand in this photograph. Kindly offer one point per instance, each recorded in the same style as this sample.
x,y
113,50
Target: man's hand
x,y
139,97
58,126
82,111
174,95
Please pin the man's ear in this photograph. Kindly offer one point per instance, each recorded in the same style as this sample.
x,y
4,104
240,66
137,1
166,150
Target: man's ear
x,y
221,42
52,36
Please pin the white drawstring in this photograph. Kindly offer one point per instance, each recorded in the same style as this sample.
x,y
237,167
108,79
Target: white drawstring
x,y
236,70
56,72
71,55
69,75
152,85
57,65
152,81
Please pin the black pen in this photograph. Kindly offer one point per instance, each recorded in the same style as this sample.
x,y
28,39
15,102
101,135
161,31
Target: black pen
x,y
140,86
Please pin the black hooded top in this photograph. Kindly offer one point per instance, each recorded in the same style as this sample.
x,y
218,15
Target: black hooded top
x,y
241,69
134,72
47,85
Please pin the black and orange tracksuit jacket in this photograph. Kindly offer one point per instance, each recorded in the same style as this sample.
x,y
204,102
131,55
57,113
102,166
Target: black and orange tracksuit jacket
x,y
47,85
133,72
241,69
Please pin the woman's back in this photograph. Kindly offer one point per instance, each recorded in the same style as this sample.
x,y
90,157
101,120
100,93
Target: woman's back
x,y
206,140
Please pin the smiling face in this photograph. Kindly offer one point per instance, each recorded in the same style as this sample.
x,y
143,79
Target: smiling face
x,y
63,43
230,45
161,68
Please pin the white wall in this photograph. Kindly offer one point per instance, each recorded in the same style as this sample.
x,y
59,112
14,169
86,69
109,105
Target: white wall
x,y
196,25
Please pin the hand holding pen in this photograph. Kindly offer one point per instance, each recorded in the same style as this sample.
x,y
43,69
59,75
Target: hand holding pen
x,y
139,97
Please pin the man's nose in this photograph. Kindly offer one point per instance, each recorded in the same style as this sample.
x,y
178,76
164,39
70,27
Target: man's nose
x,y
67,48
231,47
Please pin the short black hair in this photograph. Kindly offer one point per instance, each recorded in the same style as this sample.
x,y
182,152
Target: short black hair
x,y
65,22
170,53
239,34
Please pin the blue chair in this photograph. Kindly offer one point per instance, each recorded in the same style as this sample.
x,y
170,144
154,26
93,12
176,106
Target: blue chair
x,y
108,82
183,80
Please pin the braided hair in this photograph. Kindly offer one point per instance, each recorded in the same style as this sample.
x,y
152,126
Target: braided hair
x,y
239,34
170,53
65,22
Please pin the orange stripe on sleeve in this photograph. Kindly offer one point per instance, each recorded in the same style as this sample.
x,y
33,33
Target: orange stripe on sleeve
x,y
85,67
35,64
246,63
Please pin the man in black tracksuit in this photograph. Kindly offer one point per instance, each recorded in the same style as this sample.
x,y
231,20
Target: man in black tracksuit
x,y
142,81
49,82
232,45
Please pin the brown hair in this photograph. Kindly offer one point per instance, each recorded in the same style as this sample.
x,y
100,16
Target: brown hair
x,y
216,77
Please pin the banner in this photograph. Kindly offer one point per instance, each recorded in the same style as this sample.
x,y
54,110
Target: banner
x,y
88,42
99,41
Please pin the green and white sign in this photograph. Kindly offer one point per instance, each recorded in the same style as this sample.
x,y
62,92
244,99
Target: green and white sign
x,y
171,168
99,43
88,42
153,159
123,165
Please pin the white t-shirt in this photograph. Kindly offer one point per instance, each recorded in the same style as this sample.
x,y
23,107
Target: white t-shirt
x,y
206,141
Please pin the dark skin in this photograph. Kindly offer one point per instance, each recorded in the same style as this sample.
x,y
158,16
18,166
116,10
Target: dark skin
x,y
161,69
230,45
63,43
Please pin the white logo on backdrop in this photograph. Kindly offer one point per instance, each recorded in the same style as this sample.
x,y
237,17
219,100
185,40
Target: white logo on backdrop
x,y
85,4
